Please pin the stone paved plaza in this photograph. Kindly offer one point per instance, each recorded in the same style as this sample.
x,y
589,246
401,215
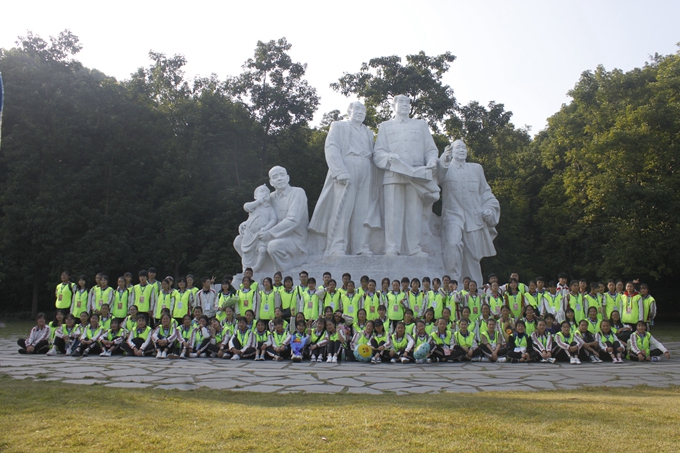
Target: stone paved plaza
x,y
287,377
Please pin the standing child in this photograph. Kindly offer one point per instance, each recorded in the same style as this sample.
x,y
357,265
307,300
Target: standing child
x,y
122,299
553,303
64,294
80,298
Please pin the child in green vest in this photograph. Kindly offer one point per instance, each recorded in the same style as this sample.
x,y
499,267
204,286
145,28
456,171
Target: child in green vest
x,y
643,347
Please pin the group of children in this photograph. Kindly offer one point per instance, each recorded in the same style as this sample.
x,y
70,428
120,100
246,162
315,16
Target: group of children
x,y
404,321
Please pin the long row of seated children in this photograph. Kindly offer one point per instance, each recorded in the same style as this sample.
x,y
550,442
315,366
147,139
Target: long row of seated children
x,y
330,337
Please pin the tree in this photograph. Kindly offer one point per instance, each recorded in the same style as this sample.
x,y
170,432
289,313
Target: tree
x,y
379,80
275,92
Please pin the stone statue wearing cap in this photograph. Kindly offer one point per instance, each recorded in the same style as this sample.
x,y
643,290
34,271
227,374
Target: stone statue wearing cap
x,y
406,151
470,213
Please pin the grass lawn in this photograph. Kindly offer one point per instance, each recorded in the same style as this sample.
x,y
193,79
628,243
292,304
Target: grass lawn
x,y
50,417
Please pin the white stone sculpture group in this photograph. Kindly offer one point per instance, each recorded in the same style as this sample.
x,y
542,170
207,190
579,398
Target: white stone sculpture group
x,y
384,189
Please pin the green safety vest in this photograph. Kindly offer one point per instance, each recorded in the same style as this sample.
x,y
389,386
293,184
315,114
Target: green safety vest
x,y
105,324
279,338
310,307
593,327
143,334
287,299
495,303
521,342
438,339
475,306
395,311
380,338
371,304
643,342
64,297
576,304
491,341
261,337
514,301
399,345
245,301
464,340
242,337
80,304
646,306
435,301
101,296
415,301
631,309
611,303
90,333
532,299
591,301
530,326
268,305
350,305
182,301
129,324
164,300
554,302
363,339
567,340
316,337
120,303
142,297
420,340
332,300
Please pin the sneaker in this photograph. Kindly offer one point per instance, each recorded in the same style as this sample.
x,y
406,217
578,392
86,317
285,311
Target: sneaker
x,y
577,361
213,355
620,359
378,360
193,355
159,355
69,351
257,357
103,354
52,352
108,353
483,359
404,360
656,359
476,359
236,357
278,358
183,355
419,361
313,358
572,360
501,360
593,359
544,360
329,359
599,360
393,360
335,359
86,352
203,355
428,360
552,360
164,355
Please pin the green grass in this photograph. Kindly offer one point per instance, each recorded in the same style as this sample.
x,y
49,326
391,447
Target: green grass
x,y
49,417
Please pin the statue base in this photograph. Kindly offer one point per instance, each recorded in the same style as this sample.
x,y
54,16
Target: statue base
x,y
376,267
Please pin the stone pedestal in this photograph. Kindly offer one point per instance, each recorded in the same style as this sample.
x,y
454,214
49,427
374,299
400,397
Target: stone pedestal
x,y
376,267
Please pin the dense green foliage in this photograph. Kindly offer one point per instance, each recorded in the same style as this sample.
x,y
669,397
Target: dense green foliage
x,y
100,174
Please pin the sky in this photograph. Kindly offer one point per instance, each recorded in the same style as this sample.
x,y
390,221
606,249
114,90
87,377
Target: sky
x,y
524,54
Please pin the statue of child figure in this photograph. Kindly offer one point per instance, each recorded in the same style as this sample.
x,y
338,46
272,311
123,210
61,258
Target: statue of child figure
x,y
261,218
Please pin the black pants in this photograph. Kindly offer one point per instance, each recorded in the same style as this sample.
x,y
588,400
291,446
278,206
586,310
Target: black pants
x,y
60,344
458,353
167,348
486,349
334,347
116,349
40,348
385,354
562,355
247,353
401,354
319,351
652,353
93,348
271,353
138,342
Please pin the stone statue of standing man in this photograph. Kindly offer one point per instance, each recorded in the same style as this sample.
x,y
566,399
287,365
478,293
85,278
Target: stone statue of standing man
x,y
470,213
348,205
406,151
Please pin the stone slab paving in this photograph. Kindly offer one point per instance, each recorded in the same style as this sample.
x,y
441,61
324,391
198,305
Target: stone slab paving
x,y
288,377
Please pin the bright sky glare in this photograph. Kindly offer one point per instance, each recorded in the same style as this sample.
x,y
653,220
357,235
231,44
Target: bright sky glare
x,y
526,54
